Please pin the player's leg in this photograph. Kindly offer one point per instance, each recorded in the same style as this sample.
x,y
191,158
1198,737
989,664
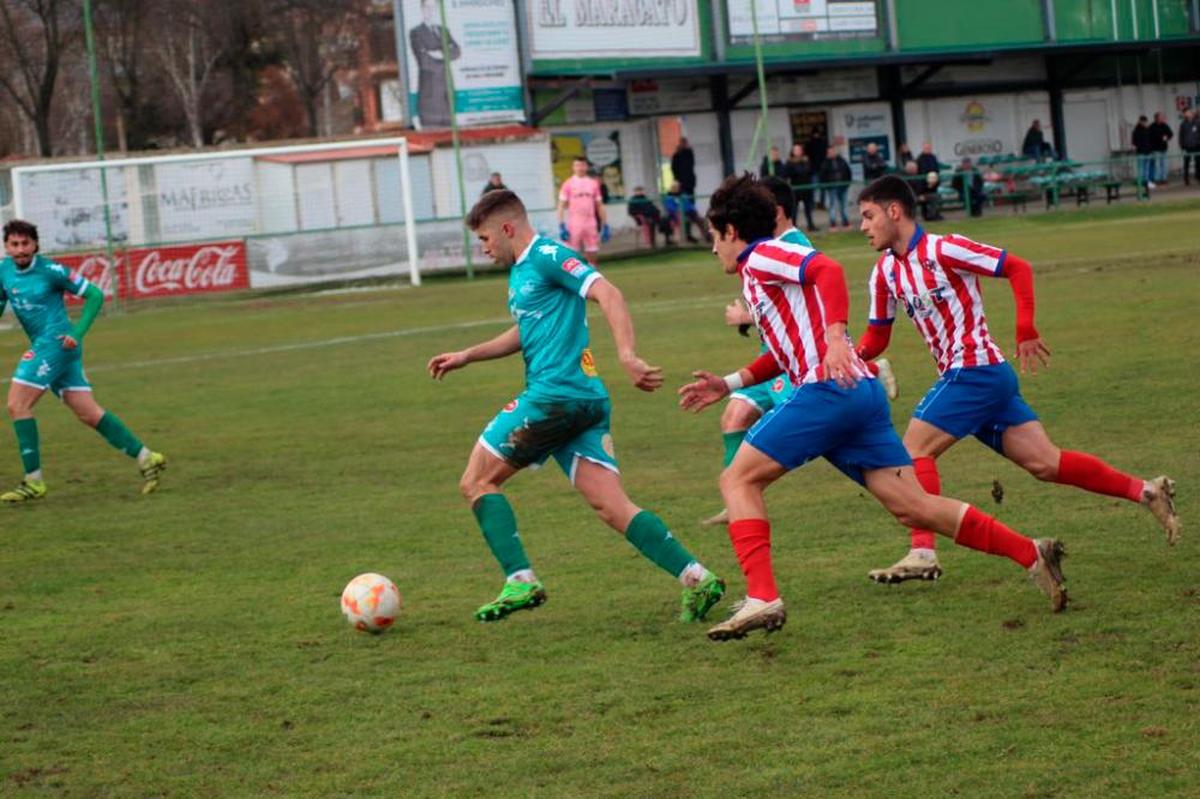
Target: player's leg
x,y
598,482
744,408
22,396
77,395
1028,446
897,490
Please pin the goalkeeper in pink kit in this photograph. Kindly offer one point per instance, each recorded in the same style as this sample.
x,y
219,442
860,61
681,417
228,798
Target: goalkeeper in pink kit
x,y
582,220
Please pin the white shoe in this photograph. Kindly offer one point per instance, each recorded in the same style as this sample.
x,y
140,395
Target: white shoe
x,y
1150,184
913,566
888,377
1161,502
751,614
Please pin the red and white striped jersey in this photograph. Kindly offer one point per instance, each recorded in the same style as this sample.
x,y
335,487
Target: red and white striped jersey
x,y
787,307
938,282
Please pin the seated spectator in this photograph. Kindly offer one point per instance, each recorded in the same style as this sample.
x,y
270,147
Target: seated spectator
x,y
645,213
969,184
494,184
835,173
681,208
874,166
903,156
927,161
1034,145
926,193
772,164
799,173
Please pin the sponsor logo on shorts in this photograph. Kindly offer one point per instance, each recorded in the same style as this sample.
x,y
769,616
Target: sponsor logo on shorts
x,y
511,406
29,355
606,444
777,385
587,363
574,267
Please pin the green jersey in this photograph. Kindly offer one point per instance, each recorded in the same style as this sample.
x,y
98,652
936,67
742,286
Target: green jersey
x,y
547,291
36,296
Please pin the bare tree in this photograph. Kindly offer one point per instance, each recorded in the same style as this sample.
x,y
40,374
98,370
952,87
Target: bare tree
x,y
35,33
316,39
122,30
190,54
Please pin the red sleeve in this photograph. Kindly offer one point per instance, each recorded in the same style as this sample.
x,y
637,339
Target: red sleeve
x,y
764,368
1020,276
874,341
829,278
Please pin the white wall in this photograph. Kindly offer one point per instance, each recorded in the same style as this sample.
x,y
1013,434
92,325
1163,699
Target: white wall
x,y
523,165
988,124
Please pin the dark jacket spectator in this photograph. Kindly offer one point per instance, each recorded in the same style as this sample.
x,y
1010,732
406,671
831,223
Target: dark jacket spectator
x,y
798,172
681,208
771,164
815,148
903,156
927,161
494,184
969,184
683,167
874,165
1142,143
1189,132
1160,134
835,169
1034,145
645,213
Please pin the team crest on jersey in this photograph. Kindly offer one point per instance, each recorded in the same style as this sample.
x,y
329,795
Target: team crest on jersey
x,y
777,385
29,355
573,266
587,363
511,406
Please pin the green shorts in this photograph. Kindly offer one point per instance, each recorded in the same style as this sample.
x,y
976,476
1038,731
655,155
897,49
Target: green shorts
x,y
765,396
528,431
46,365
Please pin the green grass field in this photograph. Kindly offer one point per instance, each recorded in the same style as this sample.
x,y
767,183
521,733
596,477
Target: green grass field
x,y
190,643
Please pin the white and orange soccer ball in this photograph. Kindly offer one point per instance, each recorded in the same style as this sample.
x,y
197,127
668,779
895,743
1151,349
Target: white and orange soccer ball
x,y
371,602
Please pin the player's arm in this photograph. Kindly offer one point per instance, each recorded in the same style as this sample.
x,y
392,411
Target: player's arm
x,y
501,346
709,388
616,311
830,280
1031,350
880,317
93,301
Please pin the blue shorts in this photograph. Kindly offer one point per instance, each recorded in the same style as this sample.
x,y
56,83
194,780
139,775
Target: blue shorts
x,y
46,365
528,431
850,427
980,401
765,396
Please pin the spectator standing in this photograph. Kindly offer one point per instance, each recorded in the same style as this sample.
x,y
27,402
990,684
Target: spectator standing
x,y
835,170
1144,147
645,213
799,174
495,183
927,161
815,148
1189,142
969,184
772,164
1160,138
683,167
1034,145
874,165
681,207
903,156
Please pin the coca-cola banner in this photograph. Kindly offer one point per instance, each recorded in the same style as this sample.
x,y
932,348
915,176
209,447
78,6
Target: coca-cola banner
x,y
167,271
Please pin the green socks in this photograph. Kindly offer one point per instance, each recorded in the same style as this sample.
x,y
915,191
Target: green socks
x,y
499,526
732,442
27,443
652,538
116,433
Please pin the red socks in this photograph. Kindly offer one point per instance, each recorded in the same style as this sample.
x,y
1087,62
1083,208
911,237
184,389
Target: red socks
x,y
752,542
927,476
1092,474
979,531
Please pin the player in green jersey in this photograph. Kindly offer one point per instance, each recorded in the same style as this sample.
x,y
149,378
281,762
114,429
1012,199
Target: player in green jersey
x,y
564,410
750,403
34,285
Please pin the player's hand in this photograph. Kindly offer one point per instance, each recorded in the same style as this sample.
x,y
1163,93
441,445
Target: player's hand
x,y
439,365
706,389
643,375
1030,353
68,342
839,363
563,233
737,315
605,233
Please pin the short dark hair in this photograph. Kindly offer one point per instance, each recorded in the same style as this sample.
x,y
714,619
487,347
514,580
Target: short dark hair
x,y
582,158
19,227
492,203
744,203
890,189
781,190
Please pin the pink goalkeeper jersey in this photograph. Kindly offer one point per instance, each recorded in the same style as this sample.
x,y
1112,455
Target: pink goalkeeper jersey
x,y
938,282
582,195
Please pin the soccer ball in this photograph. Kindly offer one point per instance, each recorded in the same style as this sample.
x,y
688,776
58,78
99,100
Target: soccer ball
x,y
371,602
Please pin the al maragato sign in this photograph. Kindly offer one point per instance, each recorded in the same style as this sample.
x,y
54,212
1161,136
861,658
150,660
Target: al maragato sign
x,y
167,271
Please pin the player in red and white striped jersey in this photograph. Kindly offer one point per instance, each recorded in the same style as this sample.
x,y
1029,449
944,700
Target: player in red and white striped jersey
x,y
936,280
800,304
